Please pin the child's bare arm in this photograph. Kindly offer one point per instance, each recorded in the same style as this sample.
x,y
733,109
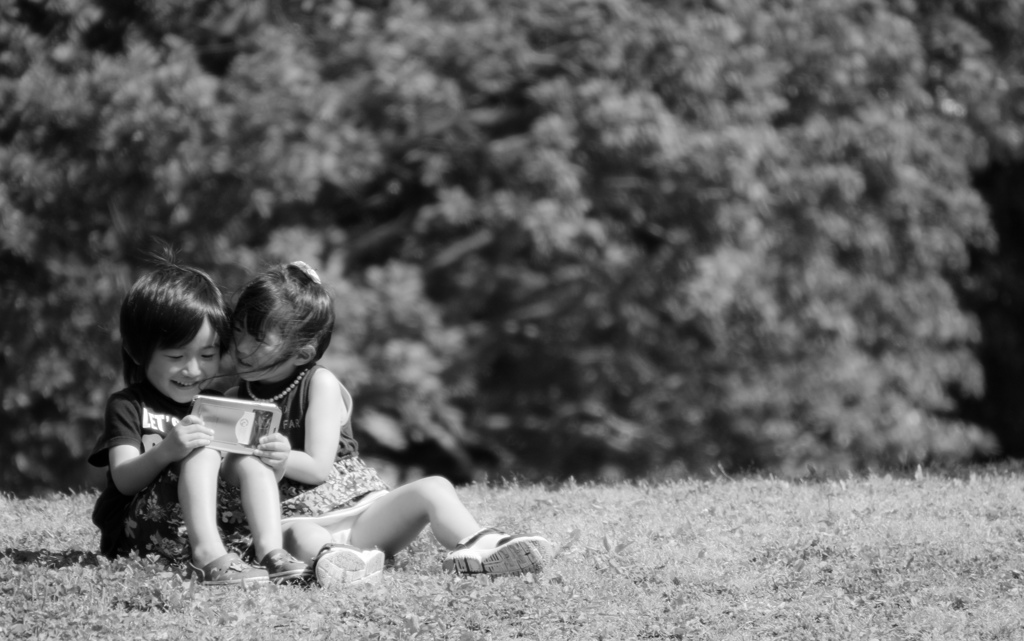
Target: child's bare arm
x,y
132,470
323,429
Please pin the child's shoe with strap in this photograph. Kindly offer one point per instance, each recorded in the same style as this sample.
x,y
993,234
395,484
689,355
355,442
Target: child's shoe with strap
x,y
341,564
506,555
282,567
229,569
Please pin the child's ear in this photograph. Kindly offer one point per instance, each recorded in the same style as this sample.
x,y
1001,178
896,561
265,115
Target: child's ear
x,y
305,355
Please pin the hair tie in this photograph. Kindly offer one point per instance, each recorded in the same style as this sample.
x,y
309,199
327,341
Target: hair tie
x,y
307,270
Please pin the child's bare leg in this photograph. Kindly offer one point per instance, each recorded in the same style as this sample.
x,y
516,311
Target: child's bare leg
x,y
261,500
305,540
393,521
197,494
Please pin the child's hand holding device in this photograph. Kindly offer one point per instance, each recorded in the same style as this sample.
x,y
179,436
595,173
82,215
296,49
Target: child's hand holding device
x,y
273,450
187,435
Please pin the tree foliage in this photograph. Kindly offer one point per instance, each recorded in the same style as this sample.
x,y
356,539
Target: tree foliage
x,y
591,238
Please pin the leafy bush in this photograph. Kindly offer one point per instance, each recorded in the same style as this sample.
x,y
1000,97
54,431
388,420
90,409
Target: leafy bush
x,y
594,238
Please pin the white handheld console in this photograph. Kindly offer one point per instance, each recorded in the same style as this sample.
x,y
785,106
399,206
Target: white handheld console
x,y
237,424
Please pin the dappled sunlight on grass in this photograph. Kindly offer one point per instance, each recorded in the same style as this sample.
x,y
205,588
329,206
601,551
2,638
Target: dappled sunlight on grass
x,y
875,557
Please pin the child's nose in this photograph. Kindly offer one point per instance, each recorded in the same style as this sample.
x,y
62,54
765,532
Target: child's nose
x,y
192,367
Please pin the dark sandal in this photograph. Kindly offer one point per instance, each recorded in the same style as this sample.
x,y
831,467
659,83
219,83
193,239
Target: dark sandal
x,y
230,570
282,566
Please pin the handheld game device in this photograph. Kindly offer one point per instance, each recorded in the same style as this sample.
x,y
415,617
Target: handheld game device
x,y
237,424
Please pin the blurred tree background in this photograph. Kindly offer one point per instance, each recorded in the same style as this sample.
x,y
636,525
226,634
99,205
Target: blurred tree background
x,y
599,238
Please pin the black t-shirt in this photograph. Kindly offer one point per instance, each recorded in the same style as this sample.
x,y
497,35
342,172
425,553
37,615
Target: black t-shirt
x,y
138,415
141,416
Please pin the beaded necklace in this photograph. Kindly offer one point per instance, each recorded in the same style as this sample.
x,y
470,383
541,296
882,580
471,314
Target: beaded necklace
x,y
276,397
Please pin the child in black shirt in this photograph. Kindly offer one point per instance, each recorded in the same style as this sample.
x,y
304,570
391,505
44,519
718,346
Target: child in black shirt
x,y
162,484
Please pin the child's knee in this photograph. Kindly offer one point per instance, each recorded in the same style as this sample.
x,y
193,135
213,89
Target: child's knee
x,y
247,465
295,534
202,454
201,458
436,485
239,469
305,540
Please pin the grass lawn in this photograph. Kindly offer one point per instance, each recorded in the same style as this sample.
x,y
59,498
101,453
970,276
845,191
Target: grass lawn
x,y
920,557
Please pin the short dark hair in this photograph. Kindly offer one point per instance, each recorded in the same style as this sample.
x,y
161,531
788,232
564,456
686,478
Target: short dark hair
x,y
166,309
287,300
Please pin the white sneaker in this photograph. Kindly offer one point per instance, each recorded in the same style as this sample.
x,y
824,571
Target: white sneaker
x,y
511,555
340,564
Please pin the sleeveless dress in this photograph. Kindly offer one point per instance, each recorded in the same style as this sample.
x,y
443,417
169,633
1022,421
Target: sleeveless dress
x,y
349,484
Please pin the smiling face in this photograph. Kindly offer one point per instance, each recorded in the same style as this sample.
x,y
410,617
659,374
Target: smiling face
x,y
177,372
